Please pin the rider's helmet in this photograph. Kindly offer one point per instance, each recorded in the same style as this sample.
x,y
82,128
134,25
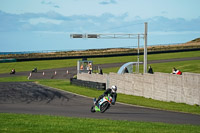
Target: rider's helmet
x,y
114,88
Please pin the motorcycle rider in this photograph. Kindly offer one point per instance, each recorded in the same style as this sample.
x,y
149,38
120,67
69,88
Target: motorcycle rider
x,y
112,92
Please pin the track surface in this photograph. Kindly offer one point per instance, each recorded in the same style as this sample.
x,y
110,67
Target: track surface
x,y
31,98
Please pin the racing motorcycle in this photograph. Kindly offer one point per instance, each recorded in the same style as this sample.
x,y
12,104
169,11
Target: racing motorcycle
x,y
102,105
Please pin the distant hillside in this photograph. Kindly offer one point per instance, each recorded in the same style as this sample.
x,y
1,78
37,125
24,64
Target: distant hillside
x,y
197,40
108,51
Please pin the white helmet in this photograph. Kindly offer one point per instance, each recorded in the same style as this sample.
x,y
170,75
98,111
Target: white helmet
x,y
114,88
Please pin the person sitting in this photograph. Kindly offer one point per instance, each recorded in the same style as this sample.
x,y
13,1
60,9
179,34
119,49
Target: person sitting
x,y
12,71
34,70
112,92
150,70
125,70
175,71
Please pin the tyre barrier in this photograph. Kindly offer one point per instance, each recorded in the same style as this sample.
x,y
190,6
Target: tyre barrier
x,y
89,84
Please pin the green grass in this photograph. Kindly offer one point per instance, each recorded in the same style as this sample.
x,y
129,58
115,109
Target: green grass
x,y
108,70
150,57
65,85
184,66
48,64
14,79
29,65
15,123
148,102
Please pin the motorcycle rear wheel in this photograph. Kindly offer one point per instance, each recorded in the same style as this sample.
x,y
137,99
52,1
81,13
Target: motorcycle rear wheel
x,y
92,109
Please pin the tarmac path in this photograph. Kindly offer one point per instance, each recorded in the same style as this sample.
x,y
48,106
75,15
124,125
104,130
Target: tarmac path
x,y
31,98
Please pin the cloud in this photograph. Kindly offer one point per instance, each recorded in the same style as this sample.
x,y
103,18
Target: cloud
x,y
35,21
105,23
52,28
49,3
106,2
164,12
179,24
56,6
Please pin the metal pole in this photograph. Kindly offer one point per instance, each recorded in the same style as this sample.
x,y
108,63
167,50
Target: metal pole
x,y
107,81
138,58
145,47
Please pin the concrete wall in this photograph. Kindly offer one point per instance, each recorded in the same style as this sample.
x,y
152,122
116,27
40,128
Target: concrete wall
x,y
159,86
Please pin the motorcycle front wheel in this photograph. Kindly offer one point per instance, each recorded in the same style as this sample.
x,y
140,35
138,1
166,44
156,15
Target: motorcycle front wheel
x,y
104,106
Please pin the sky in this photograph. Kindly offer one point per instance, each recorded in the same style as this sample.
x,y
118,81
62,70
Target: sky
x,y
32,25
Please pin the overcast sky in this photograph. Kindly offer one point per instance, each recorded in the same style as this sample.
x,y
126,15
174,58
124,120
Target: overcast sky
x,y
29,25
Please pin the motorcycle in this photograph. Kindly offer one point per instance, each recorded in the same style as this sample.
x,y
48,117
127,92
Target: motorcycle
x,y
102,105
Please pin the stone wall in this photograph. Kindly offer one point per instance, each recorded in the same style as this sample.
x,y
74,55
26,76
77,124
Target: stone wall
x,y
159,86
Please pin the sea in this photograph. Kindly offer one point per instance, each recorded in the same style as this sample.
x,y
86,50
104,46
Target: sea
x,y
59,43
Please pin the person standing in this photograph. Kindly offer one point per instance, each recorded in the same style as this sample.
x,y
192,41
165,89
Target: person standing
x,y
100,71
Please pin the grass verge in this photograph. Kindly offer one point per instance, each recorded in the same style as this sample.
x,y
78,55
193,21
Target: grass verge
x,y
44,123
185,66
14,79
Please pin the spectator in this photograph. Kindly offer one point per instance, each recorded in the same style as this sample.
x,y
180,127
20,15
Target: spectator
x,y
90,68
150,70
34,70
175,71
81,68
100,71
125,70
90,72
12,71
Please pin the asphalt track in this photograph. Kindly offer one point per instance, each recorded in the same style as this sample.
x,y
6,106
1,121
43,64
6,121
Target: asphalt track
x,y
31,98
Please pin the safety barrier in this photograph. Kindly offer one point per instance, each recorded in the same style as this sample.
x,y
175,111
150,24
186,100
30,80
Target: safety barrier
x,y
183,88
90,84
7,60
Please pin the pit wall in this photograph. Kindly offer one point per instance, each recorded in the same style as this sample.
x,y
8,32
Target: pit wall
x,y
183,88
